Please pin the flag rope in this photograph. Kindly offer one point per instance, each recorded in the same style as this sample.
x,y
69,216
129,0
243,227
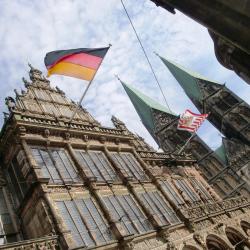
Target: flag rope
x,y
145,54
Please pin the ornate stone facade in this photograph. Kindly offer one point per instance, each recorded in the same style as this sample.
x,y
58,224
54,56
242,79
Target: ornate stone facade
x,y
78,185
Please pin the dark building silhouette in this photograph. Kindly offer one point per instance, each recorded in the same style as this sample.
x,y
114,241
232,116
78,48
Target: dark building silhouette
x,y
227,22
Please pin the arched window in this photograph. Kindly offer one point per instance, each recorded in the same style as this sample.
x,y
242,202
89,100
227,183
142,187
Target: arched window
x,y
214,242
237,239
246,227
188,247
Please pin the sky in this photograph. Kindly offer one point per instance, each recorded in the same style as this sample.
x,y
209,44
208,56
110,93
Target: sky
x,y
30,29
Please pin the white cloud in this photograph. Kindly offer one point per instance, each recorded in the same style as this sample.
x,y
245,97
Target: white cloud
x,y
31,29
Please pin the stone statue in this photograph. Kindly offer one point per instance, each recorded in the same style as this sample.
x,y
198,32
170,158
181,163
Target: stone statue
x,y
10,102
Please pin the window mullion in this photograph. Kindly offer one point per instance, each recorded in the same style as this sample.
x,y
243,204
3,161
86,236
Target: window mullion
x,y
99,169
94,218
108,168
62,154
45,164
120,198
123,215
131,166
55,165
83,221
17,180
64,168
165,210
135,165
87,167
123,166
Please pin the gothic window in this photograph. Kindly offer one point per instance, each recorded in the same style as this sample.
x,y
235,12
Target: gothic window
x,y
5,222
129,164
95,163
125,211
158,207
55,164
167,187
229,98
237,120
86,223
185,188
16,178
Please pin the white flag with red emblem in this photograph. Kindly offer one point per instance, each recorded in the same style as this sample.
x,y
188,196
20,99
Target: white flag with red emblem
x,y
190,121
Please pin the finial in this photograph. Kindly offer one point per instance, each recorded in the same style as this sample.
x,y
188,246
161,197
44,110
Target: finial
x,y
110,45
16,92
117,77
156,53
26,83
31,67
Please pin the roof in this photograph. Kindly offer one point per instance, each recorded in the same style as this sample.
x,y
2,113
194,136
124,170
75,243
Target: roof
x,y
187,79
221,153
144,106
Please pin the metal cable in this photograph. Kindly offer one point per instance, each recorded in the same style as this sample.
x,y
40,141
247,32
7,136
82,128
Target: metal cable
x,y
144,52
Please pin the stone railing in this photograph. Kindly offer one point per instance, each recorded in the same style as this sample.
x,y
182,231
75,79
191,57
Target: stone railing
x,y
45,243
219,207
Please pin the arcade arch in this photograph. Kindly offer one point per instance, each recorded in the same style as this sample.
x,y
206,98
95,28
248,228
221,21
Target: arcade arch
x,y
237,239
214,242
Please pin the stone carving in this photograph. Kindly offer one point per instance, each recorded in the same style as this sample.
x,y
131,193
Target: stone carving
x,y
10,103
26,83
199,239
46,133
162,119
33,245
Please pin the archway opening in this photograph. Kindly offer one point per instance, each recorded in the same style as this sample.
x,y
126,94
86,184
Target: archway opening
x,y
246,227
188,247
216,243
237,239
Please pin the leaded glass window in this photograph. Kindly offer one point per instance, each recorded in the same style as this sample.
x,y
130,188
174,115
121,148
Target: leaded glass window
x,y
125,211
55,164
86,223
158,207
173,195
130,165
95,163
183,185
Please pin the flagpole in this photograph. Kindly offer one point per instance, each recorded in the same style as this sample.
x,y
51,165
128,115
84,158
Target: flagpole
x,y
85,91
183,147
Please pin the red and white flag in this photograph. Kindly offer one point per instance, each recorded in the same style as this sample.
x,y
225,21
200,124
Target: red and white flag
x,y
190,121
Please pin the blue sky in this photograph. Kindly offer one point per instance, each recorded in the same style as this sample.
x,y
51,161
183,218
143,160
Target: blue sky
x,y
30,29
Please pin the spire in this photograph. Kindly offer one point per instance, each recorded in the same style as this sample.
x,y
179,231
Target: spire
x,y
144,106
195,85
221,153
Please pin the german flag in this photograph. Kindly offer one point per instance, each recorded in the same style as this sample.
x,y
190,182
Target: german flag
x,y
80,63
